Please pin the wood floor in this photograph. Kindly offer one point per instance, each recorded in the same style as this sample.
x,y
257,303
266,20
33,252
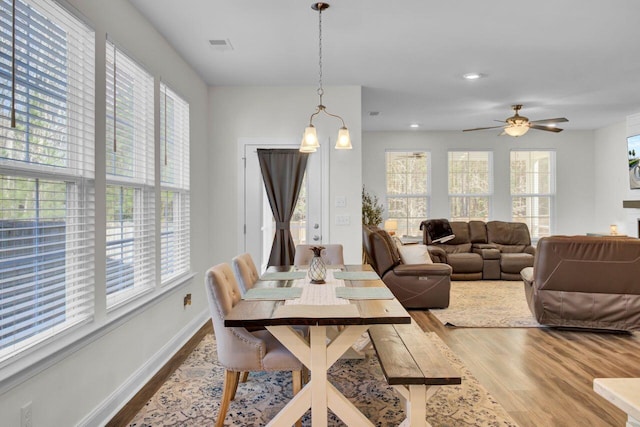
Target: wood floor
x,y
542,377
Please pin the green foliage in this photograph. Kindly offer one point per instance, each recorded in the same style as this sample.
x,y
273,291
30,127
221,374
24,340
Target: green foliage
x,y
371,209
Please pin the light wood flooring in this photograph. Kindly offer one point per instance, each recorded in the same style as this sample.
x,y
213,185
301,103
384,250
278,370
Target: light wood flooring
x,y
542,377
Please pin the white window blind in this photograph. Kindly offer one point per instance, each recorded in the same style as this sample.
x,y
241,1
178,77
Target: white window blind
x,y
470,185
407,190
174,176
533,190
130,198
46,173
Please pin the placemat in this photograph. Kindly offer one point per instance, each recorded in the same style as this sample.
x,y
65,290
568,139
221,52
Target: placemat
x,y
356,275
364,293
284,275
272,293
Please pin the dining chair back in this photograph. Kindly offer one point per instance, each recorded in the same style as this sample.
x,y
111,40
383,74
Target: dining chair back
x,y
332,254
246,271
238,349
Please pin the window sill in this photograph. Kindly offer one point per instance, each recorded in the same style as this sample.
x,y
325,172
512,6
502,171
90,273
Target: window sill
x,y
32,361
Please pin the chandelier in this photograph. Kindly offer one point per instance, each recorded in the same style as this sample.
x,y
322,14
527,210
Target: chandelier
x,y
310,142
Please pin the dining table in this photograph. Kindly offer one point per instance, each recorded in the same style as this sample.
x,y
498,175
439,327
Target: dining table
x,y
352,299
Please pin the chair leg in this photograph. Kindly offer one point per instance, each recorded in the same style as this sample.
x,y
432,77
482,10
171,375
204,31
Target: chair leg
x,y
230,384
235,387
296,381
244,376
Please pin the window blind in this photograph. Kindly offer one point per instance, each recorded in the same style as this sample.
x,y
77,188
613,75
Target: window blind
x,y
174,176
130,199
46,173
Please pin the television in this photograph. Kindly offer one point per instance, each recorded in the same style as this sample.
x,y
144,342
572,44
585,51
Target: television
x,y
633,149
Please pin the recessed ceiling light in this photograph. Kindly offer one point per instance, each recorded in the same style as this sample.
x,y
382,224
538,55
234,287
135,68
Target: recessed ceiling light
x,y
414,125
472,76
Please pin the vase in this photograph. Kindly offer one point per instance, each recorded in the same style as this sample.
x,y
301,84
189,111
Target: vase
x,y
317,268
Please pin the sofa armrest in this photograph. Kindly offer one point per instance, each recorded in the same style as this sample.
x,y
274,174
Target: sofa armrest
x,y
530,250
488,253
437,269
527,275
437,254
484,246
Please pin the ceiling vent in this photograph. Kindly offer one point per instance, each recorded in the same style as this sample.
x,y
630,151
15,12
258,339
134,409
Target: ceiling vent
x,y
221,45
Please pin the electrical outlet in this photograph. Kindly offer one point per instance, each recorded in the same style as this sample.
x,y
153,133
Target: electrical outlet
x,y
187,300
26,416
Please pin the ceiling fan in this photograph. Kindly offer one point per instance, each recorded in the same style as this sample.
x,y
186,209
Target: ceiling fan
x,y
518,125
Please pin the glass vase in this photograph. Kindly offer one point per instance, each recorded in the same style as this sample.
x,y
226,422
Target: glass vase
x,y
317,268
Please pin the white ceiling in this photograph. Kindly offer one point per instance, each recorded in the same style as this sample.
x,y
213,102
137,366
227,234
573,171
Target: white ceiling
x,y
578,59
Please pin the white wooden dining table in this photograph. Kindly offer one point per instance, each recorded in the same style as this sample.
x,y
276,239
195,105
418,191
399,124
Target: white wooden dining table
x,y
320,310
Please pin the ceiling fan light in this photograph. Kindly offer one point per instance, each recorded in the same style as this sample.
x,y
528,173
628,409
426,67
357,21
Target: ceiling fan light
x,y
344,140
516,130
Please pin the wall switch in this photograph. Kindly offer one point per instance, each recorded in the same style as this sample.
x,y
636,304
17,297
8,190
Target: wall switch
x,y
343,220
26,417
341,202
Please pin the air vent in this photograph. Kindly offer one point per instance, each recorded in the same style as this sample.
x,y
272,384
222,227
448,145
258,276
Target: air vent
x,y
374,113
221,44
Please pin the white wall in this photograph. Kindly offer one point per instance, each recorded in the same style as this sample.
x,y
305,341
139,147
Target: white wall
x,y
574,203
98,376
612,179
281,113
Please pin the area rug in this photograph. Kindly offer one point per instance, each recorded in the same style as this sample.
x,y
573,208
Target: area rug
x,y
191,396
487,304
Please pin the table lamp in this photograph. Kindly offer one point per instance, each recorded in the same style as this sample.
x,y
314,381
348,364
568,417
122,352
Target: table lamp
x,y
391,225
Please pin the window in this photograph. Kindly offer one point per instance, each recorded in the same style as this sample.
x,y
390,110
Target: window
x,y
46,173
533,189
130,190
407,190
174,176
470,185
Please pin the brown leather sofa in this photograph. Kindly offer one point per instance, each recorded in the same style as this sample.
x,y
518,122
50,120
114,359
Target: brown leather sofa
x,y
414,285
585,282
484,251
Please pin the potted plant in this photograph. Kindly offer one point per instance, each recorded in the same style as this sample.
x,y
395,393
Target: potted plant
x,y
371,209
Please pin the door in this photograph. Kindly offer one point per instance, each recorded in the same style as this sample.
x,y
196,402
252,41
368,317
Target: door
x,y
257,228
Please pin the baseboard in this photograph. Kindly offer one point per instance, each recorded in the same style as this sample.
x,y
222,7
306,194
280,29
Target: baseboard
x,y
104,412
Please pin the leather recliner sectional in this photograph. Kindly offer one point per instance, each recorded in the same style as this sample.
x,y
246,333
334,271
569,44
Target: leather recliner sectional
x,y
495,250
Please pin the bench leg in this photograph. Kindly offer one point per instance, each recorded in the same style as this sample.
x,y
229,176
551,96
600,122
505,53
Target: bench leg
x,y
415,399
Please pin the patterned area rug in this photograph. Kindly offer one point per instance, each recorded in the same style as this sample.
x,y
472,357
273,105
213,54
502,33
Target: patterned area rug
x,y
191,396
487,304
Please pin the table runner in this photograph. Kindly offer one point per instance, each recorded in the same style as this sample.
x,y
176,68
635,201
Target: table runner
x,y
321,294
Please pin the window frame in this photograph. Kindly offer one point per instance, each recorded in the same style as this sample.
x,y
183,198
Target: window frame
x,y
535,236
468,195
408,196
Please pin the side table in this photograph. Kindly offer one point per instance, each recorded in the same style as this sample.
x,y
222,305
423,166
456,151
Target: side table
x,y
623,393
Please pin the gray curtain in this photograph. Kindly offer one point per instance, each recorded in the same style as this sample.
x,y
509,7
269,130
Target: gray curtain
x,y
282,173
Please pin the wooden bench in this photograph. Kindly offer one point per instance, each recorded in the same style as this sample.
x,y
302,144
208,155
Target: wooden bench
x,y
413,366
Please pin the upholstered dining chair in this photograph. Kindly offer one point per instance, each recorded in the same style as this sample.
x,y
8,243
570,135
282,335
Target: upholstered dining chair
x,y
246,271
238,349
332,254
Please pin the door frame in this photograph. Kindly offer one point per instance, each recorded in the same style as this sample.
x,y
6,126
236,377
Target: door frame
x,y
259,142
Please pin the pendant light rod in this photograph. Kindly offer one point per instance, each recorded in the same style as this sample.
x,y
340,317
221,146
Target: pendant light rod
x,y
310,138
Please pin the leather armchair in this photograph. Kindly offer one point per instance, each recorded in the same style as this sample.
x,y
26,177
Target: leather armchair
x,y
414,285
585,282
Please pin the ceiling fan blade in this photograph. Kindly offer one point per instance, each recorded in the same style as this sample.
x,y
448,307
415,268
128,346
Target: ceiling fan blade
x,y
547,121
491,127
547,128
